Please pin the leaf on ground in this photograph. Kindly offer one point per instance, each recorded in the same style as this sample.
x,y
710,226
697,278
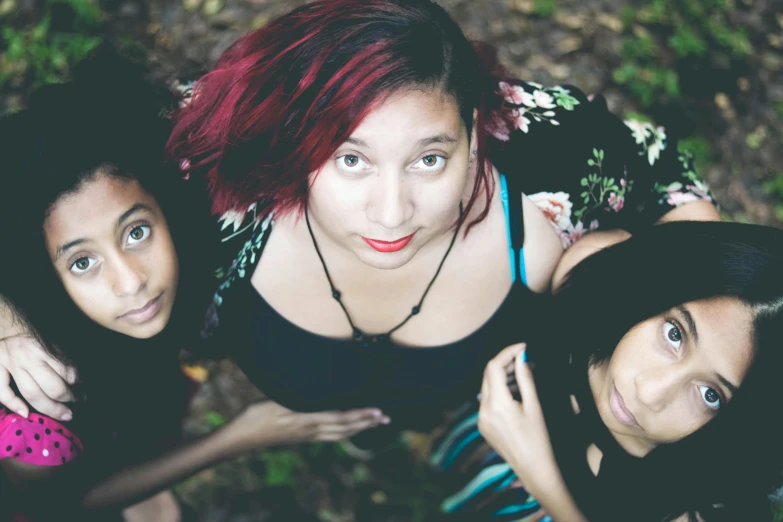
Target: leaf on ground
x,y
196,372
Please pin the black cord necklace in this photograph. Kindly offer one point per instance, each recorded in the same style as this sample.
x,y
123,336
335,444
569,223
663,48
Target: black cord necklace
x,y
358,335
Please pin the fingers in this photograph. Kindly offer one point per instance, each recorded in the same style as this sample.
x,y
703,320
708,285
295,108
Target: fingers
x,y
40,377
38,399
506,356
66,373
52,375
359,415
335,417
496,374
527,386
339,425
7,396
51,382
345,431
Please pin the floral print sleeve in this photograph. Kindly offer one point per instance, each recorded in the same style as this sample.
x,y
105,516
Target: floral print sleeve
x,y
582,165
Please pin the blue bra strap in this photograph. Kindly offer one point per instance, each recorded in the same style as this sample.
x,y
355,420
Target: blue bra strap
x,y
504,199
515,230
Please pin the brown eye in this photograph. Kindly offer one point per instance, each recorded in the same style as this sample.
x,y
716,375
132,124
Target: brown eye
x,y
675,335
82,264
711,397
137,233
430,161
672,334
350,161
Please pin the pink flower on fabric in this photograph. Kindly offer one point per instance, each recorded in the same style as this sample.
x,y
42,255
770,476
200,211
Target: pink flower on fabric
x,y
543,100
520,121
516,95
616,202
574,233
678,195
38,440
676,199
556,206
700,190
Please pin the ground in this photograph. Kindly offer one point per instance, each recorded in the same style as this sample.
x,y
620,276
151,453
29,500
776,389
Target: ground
x,y
727,102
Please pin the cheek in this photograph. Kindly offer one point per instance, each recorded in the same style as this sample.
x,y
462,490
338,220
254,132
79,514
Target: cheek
x,y
334,201
163,261
636,351
680,422
92,298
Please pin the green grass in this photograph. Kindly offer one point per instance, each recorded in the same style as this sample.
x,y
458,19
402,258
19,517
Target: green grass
x,y
36,54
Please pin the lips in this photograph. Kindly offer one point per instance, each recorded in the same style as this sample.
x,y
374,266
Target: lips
x,y
620,410
389,246
145,313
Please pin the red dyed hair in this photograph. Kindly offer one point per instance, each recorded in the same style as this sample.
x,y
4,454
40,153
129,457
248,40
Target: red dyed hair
x,y
283,98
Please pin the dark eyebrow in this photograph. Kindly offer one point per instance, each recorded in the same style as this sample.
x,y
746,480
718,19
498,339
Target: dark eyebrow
x,y
135,208
357,142
440,138
692,327
727,384
691,323
125,215
67,246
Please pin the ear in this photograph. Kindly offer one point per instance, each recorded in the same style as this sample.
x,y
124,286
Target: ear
x,y
473,144
473,132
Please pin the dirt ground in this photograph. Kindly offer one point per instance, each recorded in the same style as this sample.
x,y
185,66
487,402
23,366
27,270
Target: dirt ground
x,y
579,44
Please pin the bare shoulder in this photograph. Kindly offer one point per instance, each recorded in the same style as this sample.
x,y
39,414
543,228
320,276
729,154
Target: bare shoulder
x,y
585,247
543,248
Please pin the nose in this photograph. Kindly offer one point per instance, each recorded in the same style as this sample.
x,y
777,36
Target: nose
x,y
128,276
390,204
656,387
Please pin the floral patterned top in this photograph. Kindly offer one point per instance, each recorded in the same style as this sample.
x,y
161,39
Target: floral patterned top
x,y
584,167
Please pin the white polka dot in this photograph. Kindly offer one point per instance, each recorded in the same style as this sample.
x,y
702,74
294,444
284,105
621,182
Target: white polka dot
x,y
13,420
46,453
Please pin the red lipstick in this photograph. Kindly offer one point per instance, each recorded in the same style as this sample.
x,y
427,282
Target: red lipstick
x,y
389,246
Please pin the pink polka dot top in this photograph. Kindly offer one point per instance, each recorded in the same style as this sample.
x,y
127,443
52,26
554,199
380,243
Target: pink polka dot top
x,y
39,440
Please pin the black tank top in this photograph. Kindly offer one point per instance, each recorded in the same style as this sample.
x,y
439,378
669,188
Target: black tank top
x,y
308,372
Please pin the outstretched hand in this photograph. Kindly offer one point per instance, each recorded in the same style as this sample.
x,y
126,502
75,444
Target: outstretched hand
x,y
268,423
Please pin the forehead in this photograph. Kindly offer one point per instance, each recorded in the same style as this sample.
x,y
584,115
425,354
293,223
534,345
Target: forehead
x,y
725,329
94,207
411,114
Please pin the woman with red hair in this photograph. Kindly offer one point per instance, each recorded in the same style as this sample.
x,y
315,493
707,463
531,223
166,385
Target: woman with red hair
x,y
392,202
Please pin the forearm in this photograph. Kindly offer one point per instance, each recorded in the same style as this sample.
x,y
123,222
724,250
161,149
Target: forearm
x,y
144,480
556,499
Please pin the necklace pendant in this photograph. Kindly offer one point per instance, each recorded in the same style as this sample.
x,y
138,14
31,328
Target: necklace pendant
x,y
369,340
